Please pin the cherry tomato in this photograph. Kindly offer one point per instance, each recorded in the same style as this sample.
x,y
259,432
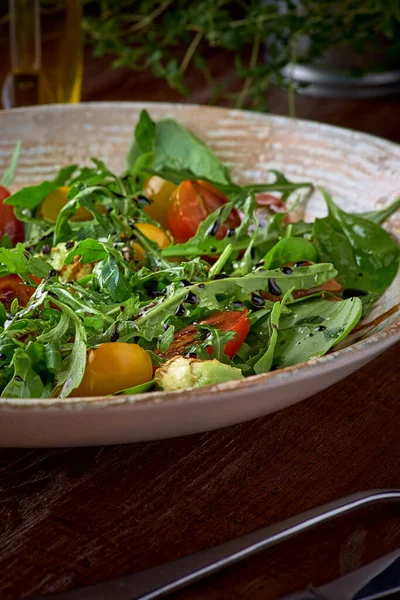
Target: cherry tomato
x,y
236,321
155,234
9,224
159,191
190,204
12,286
114,366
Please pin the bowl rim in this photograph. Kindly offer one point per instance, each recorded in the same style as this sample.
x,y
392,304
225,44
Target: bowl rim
x,y
368,347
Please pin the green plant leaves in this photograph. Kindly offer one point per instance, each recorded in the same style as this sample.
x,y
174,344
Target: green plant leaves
x,y
312,328
174,146
366,256
290,249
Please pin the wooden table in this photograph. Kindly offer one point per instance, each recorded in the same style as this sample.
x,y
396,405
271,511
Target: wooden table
x,y
73,517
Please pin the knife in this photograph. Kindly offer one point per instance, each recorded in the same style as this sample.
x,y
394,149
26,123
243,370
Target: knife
x,y
162,580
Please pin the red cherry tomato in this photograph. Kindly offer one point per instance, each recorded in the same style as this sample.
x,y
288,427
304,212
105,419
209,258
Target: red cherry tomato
x,y
12,286
9,224
190,205
236,321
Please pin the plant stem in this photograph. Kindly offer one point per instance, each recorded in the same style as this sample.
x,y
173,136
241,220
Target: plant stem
x,y
252,65
190,51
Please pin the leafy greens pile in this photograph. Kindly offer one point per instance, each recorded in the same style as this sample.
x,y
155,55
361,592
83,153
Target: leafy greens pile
x,y
43,346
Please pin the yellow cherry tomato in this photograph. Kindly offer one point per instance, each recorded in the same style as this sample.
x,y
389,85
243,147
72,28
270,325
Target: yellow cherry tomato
x,y
55,201
155,234
114,366
159,191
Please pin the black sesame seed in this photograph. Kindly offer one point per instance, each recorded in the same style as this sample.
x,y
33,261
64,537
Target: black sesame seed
x,y
273,288
52,273
311,335
230,232
18,378
213,249
191,298
180,311
214,227
350,293
286,270
46,249
300,263
201,286
321,328
184,283
165,327
237,304
257,300
142,199
2,356
115,245
69,244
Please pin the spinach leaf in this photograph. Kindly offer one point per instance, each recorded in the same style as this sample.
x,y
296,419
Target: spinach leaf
x,y
9,174
366,256
174,146
290,249
312,328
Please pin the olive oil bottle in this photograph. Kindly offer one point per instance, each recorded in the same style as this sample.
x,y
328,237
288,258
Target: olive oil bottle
x,y
45,52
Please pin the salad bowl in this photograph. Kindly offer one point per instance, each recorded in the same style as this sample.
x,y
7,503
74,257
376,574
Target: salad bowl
x,y
360,171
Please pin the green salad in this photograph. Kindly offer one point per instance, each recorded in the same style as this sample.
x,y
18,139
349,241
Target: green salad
x,y
171,275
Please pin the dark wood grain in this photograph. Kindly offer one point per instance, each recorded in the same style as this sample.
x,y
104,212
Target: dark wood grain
x,y
78,516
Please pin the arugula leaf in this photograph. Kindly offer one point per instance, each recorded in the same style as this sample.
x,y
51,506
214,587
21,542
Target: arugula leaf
x,y
290,249
366,256
31,197
9,174
112,280
89,250
280,183
264,363
150,323
14,259
380,216
25,382
312,328
137,389
72,375
64,175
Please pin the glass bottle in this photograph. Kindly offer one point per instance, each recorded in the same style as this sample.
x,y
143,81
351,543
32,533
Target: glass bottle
x,y
46,55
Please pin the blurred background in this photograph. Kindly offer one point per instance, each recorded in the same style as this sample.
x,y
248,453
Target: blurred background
x,y
253,54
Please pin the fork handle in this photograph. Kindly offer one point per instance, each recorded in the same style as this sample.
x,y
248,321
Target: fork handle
x,y
161,581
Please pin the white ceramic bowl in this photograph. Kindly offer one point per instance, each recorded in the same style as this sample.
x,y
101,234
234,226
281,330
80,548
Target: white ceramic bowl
x,y
362,172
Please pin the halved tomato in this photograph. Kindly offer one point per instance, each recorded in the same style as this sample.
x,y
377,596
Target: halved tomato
x,y
9,224
190,205
236,321
12,286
